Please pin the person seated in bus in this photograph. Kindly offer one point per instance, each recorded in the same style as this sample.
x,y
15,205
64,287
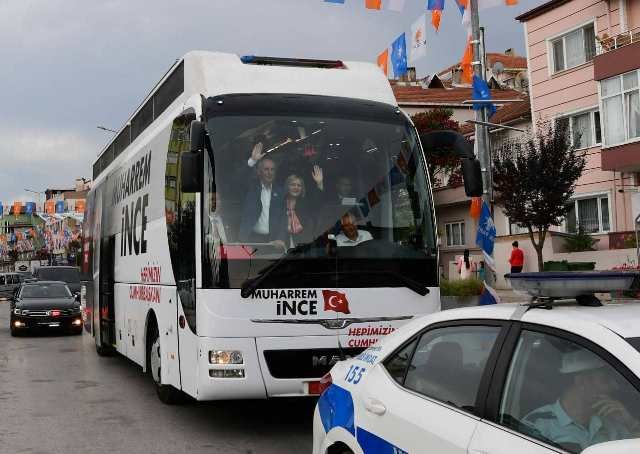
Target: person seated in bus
x,y
350,234
301,208
263,202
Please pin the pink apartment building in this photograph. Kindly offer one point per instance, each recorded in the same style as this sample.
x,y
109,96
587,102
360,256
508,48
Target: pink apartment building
x,y
584,67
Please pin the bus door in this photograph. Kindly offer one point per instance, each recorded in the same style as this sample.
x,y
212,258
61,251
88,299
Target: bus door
x,y
106,298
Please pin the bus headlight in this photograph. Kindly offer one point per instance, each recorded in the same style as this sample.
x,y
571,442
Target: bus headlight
x,y
225,357
17,311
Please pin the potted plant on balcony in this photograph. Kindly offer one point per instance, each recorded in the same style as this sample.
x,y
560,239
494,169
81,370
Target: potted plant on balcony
x,y
460,293
605,41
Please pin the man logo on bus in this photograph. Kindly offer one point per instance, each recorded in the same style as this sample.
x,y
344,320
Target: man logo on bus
x,y
335,301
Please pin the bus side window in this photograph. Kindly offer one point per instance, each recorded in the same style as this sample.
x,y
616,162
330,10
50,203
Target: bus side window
x,y
180,212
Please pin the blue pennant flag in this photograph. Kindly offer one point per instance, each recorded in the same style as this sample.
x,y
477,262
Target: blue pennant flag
x,y
486,235
488,296
399,56
481,92
435,5
334,1
460,7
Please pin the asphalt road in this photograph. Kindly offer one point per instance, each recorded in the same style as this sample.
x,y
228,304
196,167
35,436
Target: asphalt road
x,y
58,396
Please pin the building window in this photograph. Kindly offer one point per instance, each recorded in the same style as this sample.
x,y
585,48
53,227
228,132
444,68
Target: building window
x,y
584,129
455,233
573,48
515,229
591,214
621,108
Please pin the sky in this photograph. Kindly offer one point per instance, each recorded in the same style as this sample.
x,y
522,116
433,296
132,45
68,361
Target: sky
x,y
71,65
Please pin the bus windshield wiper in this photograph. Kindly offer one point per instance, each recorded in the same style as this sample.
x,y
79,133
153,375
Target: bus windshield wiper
x,y
250,285
416,286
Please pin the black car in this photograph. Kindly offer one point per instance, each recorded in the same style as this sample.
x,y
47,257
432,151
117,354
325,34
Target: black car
x,y
68,274
45,304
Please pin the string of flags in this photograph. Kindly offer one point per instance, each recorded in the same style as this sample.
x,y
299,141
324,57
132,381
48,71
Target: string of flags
x,y
409,49
391,5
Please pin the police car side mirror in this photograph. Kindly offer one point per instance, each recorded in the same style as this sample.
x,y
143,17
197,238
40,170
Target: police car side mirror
x,y
191,164
630,446
461,147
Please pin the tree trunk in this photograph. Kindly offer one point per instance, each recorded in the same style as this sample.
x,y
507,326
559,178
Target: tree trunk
x,y
542,234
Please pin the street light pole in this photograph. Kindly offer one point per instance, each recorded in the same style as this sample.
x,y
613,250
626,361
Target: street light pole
x,y
40,194
482,133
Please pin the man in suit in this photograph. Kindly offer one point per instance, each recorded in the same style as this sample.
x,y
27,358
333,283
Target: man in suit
x,y
263,210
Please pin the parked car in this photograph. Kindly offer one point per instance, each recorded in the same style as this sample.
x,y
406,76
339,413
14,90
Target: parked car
x,y
9,283
68,274
26,276
45,304
501,379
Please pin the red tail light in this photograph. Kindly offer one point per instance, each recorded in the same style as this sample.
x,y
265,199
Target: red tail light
x,y
325,382
55,313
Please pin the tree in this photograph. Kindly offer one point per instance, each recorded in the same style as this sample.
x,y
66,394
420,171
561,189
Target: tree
x,y
535,177
441,162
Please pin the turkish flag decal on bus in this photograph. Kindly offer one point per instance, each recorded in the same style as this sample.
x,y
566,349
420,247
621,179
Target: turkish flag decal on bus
x,y
335,301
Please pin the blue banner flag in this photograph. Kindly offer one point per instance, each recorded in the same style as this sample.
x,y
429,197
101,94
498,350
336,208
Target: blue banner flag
x,y
486,235
334,1
435,5
488,296
60,207
1,210
399,56
481,92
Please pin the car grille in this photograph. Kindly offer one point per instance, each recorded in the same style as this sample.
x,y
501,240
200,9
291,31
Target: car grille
x,y
305,363
47,313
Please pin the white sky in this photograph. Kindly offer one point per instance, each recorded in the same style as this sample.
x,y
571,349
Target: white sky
x,y
70,65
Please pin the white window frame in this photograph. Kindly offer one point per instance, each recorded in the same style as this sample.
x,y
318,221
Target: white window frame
x,y
592,195
592,111
625,110
448,227
518,231
550,54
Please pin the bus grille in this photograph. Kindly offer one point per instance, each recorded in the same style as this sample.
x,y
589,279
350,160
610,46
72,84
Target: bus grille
x,y
305,363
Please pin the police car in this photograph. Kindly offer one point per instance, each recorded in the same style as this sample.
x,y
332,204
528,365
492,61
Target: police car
x,y
491,380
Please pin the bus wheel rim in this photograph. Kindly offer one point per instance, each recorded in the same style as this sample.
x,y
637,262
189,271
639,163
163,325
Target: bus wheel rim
x,y
155,360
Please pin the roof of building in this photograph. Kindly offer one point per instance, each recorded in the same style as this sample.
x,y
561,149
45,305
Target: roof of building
x,y
416,94
539,10
67,195
509,62
509,113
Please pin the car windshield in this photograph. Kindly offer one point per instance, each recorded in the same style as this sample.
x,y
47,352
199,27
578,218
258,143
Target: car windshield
x,y
45,291
359,180
59,274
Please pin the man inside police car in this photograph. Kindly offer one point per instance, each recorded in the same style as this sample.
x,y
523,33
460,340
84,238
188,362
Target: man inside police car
x,y
586,413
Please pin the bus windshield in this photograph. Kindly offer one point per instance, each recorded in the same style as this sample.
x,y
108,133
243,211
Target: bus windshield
x,y
350,193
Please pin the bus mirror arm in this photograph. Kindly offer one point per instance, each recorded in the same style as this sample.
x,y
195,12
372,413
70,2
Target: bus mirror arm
x,y
197,136
191,163
462,148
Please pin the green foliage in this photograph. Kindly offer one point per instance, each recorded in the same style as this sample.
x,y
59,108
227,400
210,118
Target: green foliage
x,y
579,242
442,161
535,177
461,287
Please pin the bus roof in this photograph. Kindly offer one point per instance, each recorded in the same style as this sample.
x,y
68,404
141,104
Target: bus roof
x,y
215,73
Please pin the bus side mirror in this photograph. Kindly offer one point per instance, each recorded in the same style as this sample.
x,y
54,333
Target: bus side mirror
x,y
472,176
461,147
197,136
191,171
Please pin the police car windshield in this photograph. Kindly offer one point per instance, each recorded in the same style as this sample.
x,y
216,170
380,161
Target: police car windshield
x,y
285,179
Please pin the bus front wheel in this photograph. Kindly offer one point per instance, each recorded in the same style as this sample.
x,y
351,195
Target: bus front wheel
x,y
166,393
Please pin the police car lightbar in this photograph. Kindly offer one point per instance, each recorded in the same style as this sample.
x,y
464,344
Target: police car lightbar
x,y
299,62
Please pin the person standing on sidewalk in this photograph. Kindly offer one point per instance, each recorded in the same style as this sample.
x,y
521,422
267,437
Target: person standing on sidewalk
x,y
517,258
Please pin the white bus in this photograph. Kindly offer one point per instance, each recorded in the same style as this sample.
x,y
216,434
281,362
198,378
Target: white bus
x,y
254,221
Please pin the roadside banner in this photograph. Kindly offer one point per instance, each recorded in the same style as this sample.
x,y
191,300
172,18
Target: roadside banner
x,y
485,238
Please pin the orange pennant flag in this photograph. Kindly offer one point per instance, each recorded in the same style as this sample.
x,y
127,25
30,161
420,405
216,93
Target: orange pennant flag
x,y
383,62
465,3
373,4
465,64
511,2
436,15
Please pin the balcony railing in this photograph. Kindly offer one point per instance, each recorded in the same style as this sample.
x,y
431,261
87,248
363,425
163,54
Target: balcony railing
x,y
608,43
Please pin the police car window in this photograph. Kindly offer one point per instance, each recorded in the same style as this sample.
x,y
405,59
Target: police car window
x,y
398,363
448,363
567,396
635,342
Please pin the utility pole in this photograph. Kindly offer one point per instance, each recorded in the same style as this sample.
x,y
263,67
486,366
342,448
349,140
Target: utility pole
x,y
482,132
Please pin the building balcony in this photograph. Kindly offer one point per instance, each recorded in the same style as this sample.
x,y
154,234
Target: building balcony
x,y
617,54
622,158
